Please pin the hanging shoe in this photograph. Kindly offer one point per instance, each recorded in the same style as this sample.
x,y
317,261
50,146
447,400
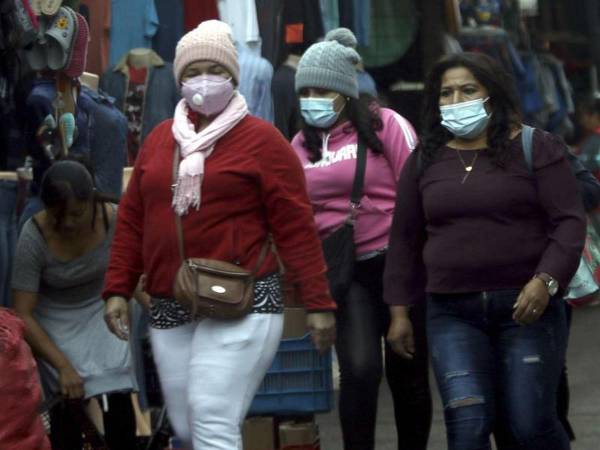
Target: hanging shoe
x,y
61,36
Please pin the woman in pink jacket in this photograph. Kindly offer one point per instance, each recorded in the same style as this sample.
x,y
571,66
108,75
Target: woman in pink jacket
x,y
335,118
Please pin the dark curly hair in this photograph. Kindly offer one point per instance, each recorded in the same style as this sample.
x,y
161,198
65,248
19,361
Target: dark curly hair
x,y
503,101
363,114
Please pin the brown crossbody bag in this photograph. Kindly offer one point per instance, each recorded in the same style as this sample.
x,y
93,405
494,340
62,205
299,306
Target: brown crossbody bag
x,y
209,287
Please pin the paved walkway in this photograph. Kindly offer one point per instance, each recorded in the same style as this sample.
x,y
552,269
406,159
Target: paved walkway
x,y
584,373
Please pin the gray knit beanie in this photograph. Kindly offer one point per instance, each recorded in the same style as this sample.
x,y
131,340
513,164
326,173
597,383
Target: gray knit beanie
x,y
330,64
343,35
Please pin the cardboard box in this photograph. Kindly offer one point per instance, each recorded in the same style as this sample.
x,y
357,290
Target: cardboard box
x,y
258,434
298,435
294,323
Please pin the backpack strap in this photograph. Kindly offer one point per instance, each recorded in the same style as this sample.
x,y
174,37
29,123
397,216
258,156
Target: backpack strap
x,y
527,142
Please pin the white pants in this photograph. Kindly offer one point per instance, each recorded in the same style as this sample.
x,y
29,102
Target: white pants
x,y
209,373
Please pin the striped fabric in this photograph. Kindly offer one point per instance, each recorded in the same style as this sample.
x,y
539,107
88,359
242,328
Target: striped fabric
x,y
407,130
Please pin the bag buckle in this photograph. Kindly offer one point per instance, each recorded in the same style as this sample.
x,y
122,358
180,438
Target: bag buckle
x,y
353,213
192,265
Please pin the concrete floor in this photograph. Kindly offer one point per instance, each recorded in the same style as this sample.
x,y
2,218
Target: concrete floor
x,y
584,374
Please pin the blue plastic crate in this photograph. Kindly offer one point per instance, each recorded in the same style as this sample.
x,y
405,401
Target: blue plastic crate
x,y
298,382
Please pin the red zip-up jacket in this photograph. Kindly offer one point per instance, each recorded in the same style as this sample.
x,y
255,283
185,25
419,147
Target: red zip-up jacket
x,y
253,185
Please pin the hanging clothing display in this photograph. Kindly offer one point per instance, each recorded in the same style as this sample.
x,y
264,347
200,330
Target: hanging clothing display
x,y
198,11
101,137
133,25
346,10
494,42
241,17
331,14
393,29
133,109
300,25
38,105
303,23
99,19
101,133
361,23
556,83
161,95
170,27
256,74
285,100
108,139
269,15
545,93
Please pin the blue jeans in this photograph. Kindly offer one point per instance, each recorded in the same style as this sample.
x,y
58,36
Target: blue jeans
x,y
494,375
8,237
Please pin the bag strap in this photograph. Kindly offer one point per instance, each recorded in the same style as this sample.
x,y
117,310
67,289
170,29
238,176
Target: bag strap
x,y
179,227
527,142
359,178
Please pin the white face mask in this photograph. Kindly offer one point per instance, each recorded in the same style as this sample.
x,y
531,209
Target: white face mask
x,y
466,120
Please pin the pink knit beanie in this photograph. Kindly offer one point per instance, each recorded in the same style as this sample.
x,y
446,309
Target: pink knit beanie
x,y
212,41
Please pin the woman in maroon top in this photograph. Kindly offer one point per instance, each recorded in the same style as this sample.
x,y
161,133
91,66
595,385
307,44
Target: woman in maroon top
x,y
492,246
238,183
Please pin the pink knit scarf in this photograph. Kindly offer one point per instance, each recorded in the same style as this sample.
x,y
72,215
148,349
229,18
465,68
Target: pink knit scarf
x,y
196,147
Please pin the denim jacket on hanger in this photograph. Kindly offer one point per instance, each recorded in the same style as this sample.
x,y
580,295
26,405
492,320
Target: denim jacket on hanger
x,y
161,95
101,133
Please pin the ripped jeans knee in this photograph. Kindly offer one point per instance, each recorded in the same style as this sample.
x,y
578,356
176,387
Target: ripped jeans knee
x,y
468,412
463,399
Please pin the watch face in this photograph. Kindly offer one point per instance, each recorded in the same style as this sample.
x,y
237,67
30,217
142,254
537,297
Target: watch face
x,y
552,287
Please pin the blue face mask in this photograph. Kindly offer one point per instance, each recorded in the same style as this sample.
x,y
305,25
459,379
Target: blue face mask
x,y
318,112
466,120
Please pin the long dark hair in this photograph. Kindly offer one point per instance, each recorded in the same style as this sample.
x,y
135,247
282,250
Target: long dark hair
x,y
71,179
503,101
363,114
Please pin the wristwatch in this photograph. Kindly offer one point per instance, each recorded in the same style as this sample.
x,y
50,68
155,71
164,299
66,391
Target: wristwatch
x,y
551,283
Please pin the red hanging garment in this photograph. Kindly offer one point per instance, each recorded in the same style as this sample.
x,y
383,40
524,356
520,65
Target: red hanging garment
x,y
196,12
20,392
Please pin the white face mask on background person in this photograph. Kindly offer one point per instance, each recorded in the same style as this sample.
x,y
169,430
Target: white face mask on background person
x,y
319,111
207,94
466,120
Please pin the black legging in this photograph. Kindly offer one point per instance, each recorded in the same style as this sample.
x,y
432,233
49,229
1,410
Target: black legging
x,y
119,424
362,321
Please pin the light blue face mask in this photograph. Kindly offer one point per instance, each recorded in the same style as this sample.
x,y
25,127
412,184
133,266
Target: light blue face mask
x,y
466,120
318,112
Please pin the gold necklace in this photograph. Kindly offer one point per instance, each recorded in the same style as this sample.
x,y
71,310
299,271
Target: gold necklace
x,y
468,168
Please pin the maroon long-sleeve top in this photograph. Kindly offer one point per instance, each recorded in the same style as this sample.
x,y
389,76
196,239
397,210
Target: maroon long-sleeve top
x,y
253,185
494,231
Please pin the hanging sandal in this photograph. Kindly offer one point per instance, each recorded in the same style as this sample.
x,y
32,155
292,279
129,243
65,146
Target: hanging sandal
x,y
61,36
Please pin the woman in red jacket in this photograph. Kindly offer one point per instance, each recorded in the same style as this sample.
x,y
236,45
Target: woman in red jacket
x,y
238,181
